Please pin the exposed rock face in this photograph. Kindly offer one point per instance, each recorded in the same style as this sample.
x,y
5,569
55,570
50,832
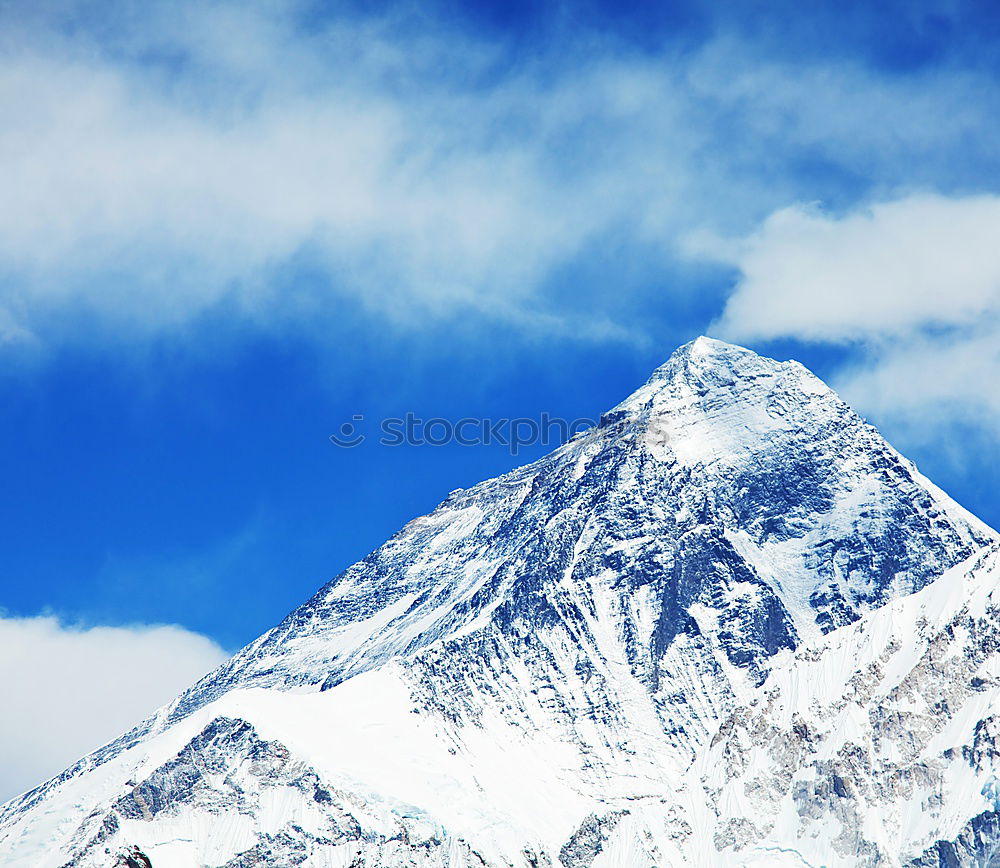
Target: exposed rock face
x,y
720,628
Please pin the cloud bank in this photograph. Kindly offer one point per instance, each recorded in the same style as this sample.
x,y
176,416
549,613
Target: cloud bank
x,y
67,691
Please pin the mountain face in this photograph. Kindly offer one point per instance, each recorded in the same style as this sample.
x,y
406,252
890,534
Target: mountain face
x,y
728,626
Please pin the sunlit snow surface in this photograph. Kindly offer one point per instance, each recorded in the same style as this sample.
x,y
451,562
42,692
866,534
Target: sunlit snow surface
x,y
729,626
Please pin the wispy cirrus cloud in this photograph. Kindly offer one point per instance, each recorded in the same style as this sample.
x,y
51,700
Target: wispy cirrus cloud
x,y
186,155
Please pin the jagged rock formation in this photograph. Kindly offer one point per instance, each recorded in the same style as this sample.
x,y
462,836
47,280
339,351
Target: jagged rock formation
x,y
729,625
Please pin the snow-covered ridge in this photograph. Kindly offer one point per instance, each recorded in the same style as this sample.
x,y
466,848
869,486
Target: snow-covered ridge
x,y
626,653
889,726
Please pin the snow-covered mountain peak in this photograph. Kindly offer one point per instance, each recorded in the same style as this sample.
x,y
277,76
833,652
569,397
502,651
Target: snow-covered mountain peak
x,y
714,400
752,503
707,354
541,671
707,363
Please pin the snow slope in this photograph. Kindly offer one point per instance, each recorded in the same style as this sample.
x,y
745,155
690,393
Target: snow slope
x,y
729,625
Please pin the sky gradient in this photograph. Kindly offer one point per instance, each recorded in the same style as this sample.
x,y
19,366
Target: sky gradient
x,y
227,228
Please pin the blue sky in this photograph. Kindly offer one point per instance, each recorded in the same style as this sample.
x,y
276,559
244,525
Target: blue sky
x,y
229,227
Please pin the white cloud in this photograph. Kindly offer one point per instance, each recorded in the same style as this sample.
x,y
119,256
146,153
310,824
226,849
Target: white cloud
x,y
885,271
67,691
407,189
913,284
413,173
926,384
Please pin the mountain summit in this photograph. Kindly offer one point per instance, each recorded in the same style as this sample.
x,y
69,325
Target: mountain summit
x,y
728,625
